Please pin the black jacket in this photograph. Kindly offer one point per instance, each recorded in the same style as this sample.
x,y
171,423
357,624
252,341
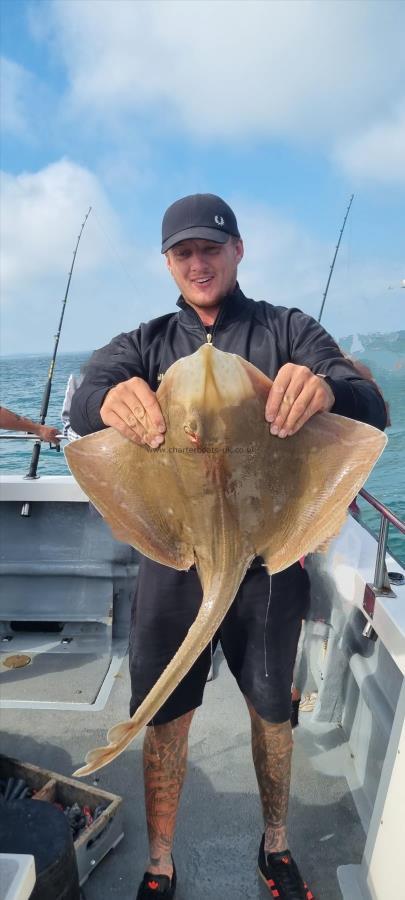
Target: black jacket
x,y
268,336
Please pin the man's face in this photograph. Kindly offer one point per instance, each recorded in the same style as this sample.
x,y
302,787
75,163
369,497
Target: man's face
x,y
204,271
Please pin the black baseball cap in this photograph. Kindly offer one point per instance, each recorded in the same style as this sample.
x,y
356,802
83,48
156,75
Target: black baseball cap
x,y
198,216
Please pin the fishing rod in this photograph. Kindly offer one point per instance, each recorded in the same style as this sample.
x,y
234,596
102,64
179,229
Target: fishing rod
x,y
334,259
32,473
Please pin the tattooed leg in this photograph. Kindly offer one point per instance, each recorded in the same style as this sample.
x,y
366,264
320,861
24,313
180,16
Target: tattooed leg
x,y
272,750
164,765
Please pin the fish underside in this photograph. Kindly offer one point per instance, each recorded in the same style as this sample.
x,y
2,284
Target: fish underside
x,y
220,491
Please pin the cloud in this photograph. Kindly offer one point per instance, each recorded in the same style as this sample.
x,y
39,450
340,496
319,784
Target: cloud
x,y
17,86
41,216
118,282
283,263
286,265
310,71
378,153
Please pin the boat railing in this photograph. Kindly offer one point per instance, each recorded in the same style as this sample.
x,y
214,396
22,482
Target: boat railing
x,y
26,436
382,581
387,518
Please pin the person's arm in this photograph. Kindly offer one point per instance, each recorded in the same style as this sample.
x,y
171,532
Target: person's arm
x,y
319,378
118,361
14,422
114,392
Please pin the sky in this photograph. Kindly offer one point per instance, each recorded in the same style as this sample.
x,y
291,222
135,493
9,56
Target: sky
x,y
285,109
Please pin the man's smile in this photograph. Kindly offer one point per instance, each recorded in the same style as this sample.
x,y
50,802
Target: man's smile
x,y
203,284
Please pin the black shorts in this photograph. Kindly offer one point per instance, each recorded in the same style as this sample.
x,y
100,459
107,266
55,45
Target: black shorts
x,y
259,640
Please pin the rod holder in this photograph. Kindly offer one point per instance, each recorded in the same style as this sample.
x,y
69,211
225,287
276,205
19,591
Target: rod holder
x,y
369,632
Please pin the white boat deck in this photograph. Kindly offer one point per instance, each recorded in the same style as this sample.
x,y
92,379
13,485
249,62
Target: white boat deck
x,y
220,824
62,704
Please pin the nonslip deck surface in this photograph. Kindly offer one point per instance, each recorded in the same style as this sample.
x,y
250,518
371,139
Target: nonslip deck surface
x,y
219,825
54,677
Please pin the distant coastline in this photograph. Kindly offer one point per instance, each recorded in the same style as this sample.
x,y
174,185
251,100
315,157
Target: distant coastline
x,y
41,354
357,344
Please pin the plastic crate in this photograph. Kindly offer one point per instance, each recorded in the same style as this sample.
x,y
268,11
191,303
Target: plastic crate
x,y
92,844
17,876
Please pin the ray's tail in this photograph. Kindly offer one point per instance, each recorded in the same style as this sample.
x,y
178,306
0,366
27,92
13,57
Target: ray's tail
x,y
220,585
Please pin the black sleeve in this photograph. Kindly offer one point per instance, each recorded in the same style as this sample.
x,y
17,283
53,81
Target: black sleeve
x,y
355,397
118,361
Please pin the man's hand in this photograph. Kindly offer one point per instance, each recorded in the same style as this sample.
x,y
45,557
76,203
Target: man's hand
x,y
132,409
296,395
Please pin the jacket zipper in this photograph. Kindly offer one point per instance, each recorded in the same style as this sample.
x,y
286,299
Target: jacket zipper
x,y
209,335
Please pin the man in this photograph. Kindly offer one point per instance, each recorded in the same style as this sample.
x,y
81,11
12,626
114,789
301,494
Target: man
x,y
203,247
13,422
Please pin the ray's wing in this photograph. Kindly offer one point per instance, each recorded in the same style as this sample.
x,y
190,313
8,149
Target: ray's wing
x,y
134,489
291,495
305,482
321,469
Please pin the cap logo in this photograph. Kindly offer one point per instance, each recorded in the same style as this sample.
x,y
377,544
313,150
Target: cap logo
x,y
219,220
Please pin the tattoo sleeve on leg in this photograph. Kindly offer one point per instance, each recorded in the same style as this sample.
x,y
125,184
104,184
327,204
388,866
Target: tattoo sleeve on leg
x,y
272,750
165,764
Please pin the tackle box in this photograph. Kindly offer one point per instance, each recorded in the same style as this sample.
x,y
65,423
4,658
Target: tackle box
x,y
92,844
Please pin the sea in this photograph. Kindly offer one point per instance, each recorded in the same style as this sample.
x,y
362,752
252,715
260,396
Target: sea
x,y
23,379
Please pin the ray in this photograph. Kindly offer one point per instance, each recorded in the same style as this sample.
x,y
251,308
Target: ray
x,y
220,491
